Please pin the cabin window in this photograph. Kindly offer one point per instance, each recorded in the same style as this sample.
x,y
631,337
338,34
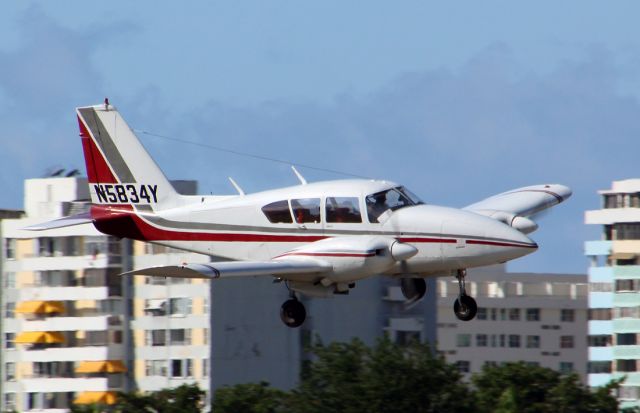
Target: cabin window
x,y
278,212
343,209
306,210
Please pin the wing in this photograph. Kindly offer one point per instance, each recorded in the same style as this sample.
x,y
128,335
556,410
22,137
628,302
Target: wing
x,y
79,219
515,206
237,269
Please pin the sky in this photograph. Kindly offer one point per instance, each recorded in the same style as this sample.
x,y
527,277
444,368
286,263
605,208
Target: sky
x,y
456,101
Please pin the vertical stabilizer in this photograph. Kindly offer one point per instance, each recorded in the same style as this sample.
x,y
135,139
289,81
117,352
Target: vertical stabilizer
x,y
119,169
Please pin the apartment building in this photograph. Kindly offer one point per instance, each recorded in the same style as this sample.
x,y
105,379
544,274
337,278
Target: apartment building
x,y
540,319
73,330
614,290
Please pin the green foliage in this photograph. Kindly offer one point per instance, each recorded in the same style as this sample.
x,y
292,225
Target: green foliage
x,y
353,378
250,398
519,387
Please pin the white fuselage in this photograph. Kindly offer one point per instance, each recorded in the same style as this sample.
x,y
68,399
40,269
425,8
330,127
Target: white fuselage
x,y
236,228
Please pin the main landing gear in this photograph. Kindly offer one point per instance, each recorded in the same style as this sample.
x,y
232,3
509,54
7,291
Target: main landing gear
x,y
464,307
293,312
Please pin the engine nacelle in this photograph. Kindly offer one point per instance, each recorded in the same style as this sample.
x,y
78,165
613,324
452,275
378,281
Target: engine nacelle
x,y
353,258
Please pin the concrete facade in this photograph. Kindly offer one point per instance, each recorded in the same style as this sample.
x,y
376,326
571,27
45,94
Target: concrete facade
x,y
536,318
614,290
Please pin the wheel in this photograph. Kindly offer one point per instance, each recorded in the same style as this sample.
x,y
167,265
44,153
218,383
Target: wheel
x,y
293,313
465,308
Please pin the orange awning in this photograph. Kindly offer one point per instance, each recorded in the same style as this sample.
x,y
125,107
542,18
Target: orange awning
x,y
40,307
106,366
32,337
88,397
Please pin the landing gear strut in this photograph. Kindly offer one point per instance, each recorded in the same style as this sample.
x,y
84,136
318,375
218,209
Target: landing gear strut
x,y
293,313
464,307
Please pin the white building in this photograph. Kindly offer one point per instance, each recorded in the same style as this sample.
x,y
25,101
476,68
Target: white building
x,y
614,297
73,330
536,318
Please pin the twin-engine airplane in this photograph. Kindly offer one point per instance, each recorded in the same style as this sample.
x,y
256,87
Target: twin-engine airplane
x,y
319,238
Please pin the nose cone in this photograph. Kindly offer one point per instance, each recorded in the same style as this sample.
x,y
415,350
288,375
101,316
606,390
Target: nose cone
x,y
490,241
561,192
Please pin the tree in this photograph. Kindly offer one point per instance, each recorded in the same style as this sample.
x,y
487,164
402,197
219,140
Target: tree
x,y
250,398
353,378
520,387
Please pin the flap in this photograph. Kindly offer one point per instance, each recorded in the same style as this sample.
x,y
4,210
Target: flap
x,y
235,269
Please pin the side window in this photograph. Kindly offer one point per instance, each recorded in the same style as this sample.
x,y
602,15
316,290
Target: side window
x,y
306,210
345,209
278,212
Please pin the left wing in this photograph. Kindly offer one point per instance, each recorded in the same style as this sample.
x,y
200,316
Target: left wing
x,y
237,269
516,206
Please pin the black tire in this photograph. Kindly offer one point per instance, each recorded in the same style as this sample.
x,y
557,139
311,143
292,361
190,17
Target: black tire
x,y
465,308
293,313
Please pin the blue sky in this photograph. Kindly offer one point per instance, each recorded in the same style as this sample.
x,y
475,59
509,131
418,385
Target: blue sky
x,y
457,101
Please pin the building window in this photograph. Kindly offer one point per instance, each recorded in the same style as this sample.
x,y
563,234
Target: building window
x,y
9,340
205,367
404,338
490,364
514,340
627,285
629,392
10,371
156,368
596,367
180,306
463,340
9,279
566,341
481,340
626,312
155,280
494,314
494,340
566,367
503,314
533,341
600,287
9,310
180,337
626,339
626,231
463,366
156,338
533,314
182,368
10,401
482,314
503,340
514,314
567,315
10,249
626,365
602,340
599,314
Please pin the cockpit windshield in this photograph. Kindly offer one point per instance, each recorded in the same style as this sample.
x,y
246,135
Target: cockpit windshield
x,y
391,199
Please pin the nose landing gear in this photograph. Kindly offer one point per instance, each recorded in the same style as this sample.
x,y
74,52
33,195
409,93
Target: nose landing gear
x,y
293,313
464,307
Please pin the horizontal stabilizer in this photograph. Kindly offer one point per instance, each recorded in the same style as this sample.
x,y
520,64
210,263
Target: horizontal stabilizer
x,y
235,269
79,219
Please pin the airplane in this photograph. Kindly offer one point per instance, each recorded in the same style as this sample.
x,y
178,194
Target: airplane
x,y
319,238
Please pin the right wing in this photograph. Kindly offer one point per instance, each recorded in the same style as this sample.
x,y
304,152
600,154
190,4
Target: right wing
x,y
229,269
79,219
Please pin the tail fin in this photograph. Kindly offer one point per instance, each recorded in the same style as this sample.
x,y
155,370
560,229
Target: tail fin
x,y
119,169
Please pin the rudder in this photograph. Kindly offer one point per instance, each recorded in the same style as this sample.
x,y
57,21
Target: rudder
x,y
119,169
